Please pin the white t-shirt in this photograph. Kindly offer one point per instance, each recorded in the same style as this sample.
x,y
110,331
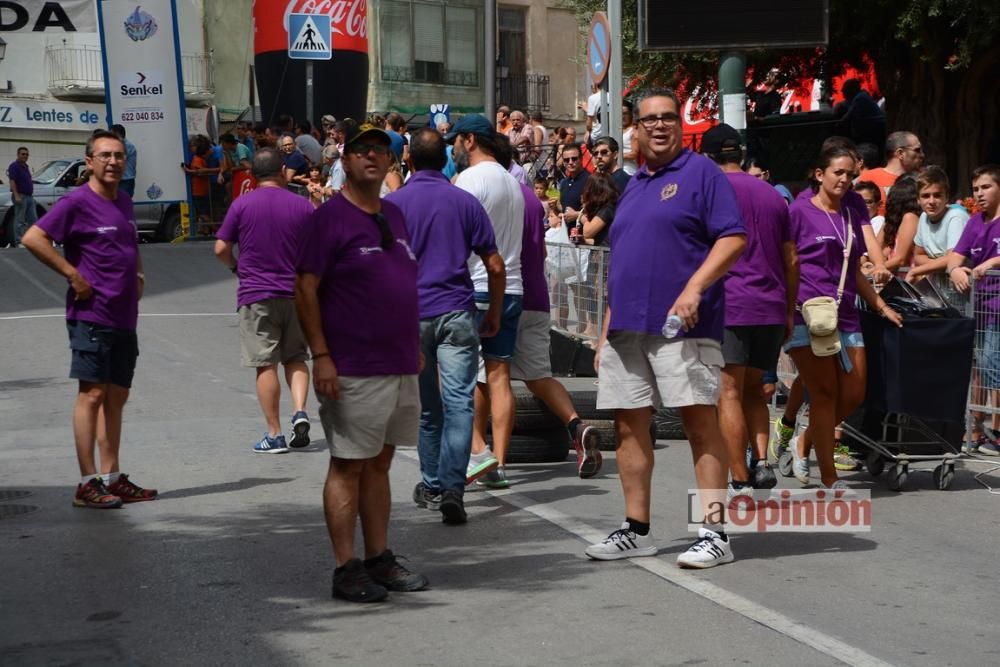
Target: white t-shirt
x,y
877,223
337,176
594,109
630,166
938,238
501,196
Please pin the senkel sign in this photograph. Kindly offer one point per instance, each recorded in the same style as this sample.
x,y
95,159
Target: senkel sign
x,y
141,51
46,115
36,16
599,47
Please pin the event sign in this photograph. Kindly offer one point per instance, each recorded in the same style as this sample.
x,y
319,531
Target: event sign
x,y
41,16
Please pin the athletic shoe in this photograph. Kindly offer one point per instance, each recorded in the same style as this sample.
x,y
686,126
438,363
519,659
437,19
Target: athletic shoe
x,y
762,476
989,448
479,465
496,479
623,543
269,445
452,508
386,571
129,491
95,494
779,442
800,464
300,430
710,550
842,459
739,489
587,443
423,497
352,582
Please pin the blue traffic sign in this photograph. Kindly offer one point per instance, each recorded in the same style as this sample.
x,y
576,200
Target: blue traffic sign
x,y
599,47
309,37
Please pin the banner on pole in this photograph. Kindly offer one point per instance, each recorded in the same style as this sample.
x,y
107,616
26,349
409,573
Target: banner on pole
x,y
144,91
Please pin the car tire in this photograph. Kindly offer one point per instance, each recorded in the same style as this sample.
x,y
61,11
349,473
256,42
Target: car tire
x,y
172,227
548,446
668,424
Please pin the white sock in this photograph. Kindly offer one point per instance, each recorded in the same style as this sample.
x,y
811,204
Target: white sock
x,y
111,478
86,478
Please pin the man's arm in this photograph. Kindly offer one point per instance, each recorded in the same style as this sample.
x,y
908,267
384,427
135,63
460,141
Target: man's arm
x,y
720,258
39,243
497,276
307,306
224,251
920,256
790,255
13,187
928,265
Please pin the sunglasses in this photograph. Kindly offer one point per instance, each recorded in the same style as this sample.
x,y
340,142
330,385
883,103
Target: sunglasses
x,y
383,228
571,159
602,153
364,149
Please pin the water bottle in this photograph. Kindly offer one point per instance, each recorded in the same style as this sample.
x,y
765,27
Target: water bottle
x,y
672,326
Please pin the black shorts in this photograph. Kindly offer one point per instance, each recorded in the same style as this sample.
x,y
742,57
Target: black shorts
x,y
102,354
757,346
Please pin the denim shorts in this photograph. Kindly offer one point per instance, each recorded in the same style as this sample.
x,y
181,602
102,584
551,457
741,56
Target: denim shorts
x,y
800,338
988,357
102,354
501,346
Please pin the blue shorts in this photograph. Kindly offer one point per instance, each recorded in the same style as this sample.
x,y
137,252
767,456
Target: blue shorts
x,y
501,346
800,338
102,354
988,357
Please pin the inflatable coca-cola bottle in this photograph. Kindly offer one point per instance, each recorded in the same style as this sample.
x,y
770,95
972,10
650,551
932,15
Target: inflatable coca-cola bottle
x,y
340,85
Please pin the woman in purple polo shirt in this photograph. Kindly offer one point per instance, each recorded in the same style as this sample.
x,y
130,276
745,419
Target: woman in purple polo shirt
x,y
833,366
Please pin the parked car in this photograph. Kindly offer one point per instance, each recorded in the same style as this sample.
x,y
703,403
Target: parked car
x,y
161,222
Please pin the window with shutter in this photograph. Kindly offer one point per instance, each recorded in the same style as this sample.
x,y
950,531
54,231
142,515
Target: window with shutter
x,y
430,43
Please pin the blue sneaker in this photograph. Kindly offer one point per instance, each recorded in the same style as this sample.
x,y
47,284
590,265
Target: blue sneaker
x,y
269,445
989,448
300,430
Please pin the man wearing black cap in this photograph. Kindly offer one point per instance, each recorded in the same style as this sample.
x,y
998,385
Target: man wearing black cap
x,y
356,295
475,146
761,289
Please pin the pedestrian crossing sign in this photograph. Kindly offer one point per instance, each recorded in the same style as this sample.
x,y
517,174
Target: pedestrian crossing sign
x,y
309,37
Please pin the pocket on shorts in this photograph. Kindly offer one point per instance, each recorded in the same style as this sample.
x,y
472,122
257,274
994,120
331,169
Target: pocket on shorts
x,y
710,354
85,339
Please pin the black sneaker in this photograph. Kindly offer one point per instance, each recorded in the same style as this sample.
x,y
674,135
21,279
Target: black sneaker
x,y
452,508
352,582
425,498
386,571
762,476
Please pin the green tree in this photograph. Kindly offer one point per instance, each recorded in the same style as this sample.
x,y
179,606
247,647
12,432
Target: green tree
x,y
937,64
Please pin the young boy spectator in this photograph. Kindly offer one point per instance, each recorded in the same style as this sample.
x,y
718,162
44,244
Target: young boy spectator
x,y
872,196
939,227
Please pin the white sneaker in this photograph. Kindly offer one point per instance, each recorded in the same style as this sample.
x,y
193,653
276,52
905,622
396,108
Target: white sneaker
x,y
734,491
710,550
800,464
841,489
622,543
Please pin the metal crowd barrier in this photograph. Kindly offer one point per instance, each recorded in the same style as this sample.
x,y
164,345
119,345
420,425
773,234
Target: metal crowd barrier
x,y
577,277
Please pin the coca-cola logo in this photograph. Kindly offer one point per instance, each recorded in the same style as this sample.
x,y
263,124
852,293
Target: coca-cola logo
x,y
347,17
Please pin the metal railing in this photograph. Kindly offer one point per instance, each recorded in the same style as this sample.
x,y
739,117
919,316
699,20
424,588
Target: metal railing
x,y
529,92
577,275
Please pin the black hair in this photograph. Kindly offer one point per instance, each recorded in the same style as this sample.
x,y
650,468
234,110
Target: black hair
x,y
119,130
902,199
489,145
826,156
304,126
504,154
427,150
870,187
607,141
228,138
869,153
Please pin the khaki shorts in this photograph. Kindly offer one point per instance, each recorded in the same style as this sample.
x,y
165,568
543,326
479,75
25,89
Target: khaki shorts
x,y
372,412
531,349
270,333
640,370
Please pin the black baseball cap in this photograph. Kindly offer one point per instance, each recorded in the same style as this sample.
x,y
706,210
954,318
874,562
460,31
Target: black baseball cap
x,y
721,139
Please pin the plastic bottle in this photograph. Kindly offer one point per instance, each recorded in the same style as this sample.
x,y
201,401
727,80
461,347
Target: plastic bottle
x,y
672,326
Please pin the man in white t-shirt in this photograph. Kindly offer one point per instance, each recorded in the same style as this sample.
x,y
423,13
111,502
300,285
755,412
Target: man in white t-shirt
x,y
594,129
940,225
475,146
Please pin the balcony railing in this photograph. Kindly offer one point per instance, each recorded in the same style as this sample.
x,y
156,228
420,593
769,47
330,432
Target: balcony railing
x,y
526,92
425,74
77,72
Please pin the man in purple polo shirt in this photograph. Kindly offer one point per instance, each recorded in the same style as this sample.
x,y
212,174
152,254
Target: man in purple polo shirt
x,y
446,225
268,225
761,289
96,226
356,295
677,231
22,188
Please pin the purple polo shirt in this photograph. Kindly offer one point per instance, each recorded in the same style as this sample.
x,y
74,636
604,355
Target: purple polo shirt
x,y
820,238
755,285
20,174
852,200
979,242
446,224
367,295
100,239
536,288
665,226
268,224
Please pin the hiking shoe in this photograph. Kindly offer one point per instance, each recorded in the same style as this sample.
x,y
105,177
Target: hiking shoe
x,y
800,464
779,441
623,543
710,550
762,476
495,479
479,465
452,508
587,443
129,491
424,497
989,448
269,445
351,582
95,494
842,459
300,430
386,572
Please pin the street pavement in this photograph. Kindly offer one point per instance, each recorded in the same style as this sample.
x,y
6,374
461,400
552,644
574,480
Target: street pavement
x,y
232,565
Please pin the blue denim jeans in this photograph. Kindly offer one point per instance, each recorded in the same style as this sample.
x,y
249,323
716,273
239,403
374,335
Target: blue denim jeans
x,y
450,343
25,216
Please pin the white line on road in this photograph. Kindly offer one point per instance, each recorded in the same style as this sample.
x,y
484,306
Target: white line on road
x,y
62,315
42,287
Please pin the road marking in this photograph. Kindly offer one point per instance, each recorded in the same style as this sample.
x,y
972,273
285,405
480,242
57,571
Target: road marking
x,y
63,315
42,287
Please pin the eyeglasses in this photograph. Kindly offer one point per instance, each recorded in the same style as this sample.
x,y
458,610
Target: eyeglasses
x,y
364,149
650,122
107,156
571,159
602,153
384,230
